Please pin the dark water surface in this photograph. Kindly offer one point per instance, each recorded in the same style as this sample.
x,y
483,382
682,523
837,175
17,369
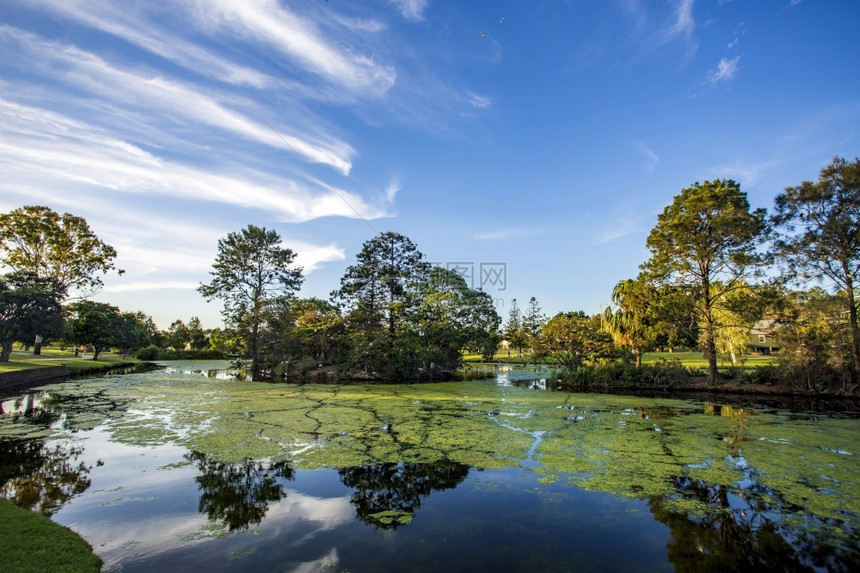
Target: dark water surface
x,y
185,470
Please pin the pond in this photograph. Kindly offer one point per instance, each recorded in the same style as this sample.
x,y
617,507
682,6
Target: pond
x,y
183,469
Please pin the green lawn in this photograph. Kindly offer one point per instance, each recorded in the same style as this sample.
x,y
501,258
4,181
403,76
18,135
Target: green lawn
x,y
687,359
696,360
32,542
20,360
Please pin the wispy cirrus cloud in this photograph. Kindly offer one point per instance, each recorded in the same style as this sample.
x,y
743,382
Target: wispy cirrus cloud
x,y
273,25
38,145
133,24
726,70
166,99
649,159
411,9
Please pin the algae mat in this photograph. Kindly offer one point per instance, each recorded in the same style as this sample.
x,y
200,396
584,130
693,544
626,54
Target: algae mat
x,y
773,479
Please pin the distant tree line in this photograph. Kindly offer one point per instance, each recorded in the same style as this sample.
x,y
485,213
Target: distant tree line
x,y
716,269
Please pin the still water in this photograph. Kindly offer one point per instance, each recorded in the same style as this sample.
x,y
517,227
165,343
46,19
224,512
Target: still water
x,y
183,469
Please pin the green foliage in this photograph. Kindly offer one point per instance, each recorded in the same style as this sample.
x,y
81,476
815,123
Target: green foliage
x,y
28,306
37,240
663,374
574,339
93,324
705,243
252,269
405,320
822,239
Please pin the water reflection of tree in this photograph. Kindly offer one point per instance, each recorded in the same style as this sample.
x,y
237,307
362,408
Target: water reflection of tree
x,y
238,494
734,534
387,495
41,477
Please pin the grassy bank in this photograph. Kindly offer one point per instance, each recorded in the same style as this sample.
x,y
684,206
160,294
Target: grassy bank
x,y
687,359
20,360
32,542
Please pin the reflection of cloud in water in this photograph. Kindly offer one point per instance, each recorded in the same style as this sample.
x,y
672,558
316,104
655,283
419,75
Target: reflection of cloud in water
x,y
298,517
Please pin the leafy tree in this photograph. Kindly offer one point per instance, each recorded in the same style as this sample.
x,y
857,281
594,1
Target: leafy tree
x,y
252,269
632,324
318,328
93,324
815,338
132,331
177,336
532,322
705,242
63,248
28,305
513,329
382,284
821,221
574,339
379,293
198,337
227,341
451,317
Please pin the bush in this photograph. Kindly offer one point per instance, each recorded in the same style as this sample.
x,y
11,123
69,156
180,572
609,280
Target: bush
x,y
149,353
661,374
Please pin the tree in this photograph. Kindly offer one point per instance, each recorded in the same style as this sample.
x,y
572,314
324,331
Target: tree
x,y
94,324
252,268
632,324
821,221
379,292
814,339
28,305
62,248
133,331
532,322
381,285
574,339
197,338
513,329
705,242
177,336
451,317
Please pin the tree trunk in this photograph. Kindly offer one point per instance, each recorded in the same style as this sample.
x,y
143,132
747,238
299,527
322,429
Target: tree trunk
x,y
96,351
255,359
855,334
638,359
5,351
710,343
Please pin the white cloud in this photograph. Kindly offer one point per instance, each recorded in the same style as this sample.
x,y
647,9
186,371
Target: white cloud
x,y
725,70
412,10
649,156
127,21
46,149
171,101
478,101
272,24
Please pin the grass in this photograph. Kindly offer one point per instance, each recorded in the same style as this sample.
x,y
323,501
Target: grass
x,y
32,542
687,359
20,360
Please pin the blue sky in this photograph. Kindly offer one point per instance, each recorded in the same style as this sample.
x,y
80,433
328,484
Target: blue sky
x,y
534,141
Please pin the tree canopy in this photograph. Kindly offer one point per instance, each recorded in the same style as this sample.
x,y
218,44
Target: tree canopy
x,y
706,242
63,248
821,221
252,269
